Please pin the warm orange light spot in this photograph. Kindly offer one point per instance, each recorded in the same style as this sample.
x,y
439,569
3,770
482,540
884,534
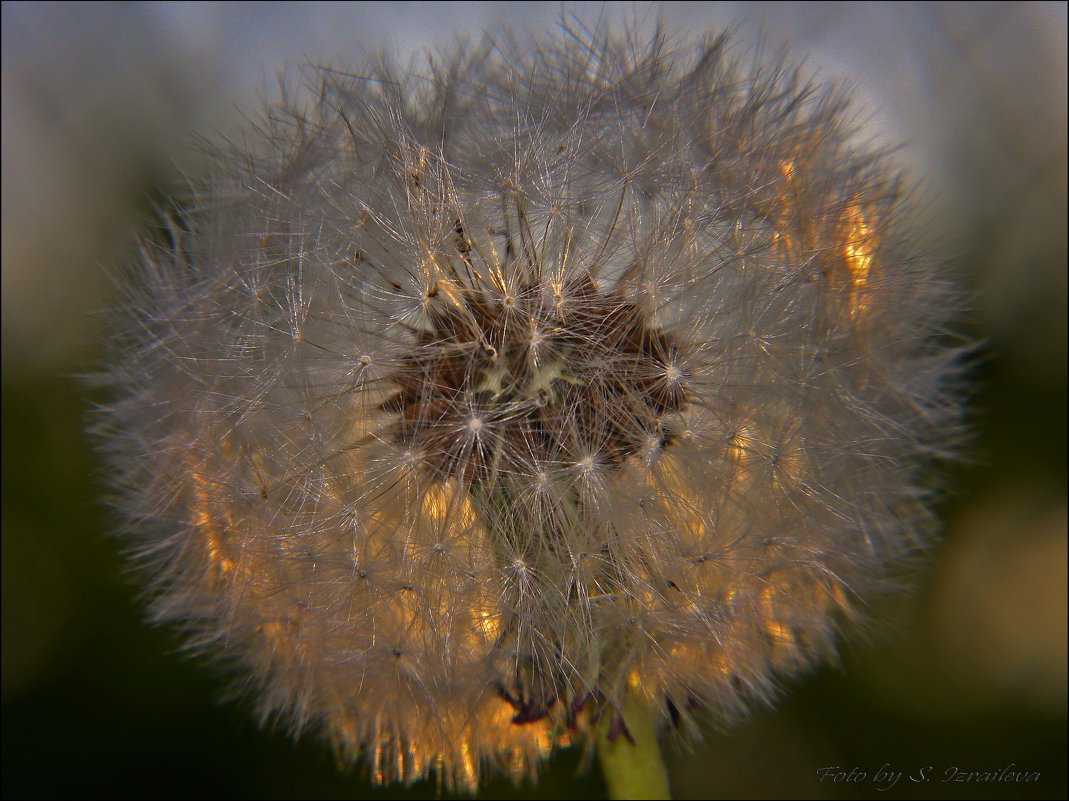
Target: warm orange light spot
x,y
770,622
399,762
634,680
445,505
206,522
839,597
467,764
544,736
448,538
417,764
273,631
858,251
525,743
677,498
787,237
502,713
487,620
517,763
739,445
740,453
380,776
448,289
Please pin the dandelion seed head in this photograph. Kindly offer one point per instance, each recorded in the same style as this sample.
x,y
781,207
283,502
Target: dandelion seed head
x,y
471,397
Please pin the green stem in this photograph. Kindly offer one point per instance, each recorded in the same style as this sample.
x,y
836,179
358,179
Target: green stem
x,y
633,767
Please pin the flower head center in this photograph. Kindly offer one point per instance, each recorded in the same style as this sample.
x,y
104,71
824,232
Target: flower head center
x,y
538,385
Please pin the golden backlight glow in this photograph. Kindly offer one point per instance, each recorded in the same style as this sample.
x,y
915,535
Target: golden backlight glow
x,y
858,251
206,522
445,507
775,629
794,232
447,510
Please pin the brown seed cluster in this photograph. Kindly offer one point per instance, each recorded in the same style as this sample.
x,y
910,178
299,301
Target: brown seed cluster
x,y
501,374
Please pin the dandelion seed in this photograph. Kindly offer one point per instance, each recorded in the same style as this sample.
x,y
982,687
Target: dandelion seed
x,y
474,403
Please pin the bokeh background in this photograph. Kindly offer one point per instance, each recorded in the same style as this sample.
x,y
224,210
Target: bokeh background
x,y
100,104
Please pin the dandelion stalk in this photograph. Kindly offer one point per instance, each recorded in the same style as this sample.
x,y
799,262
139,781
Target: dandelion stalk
x,y
630,757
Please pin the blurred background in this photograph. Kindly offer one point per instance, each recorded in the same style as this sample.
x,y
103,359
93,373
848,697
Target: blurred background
x,y
100,103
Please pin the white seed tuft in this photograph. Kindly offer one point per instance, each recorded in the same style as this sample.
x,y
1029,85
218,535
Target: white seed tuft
x,y
474,397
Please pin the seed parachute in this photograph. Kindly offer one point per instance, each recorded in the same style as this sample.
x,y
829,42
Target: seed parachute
x,y
467,399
